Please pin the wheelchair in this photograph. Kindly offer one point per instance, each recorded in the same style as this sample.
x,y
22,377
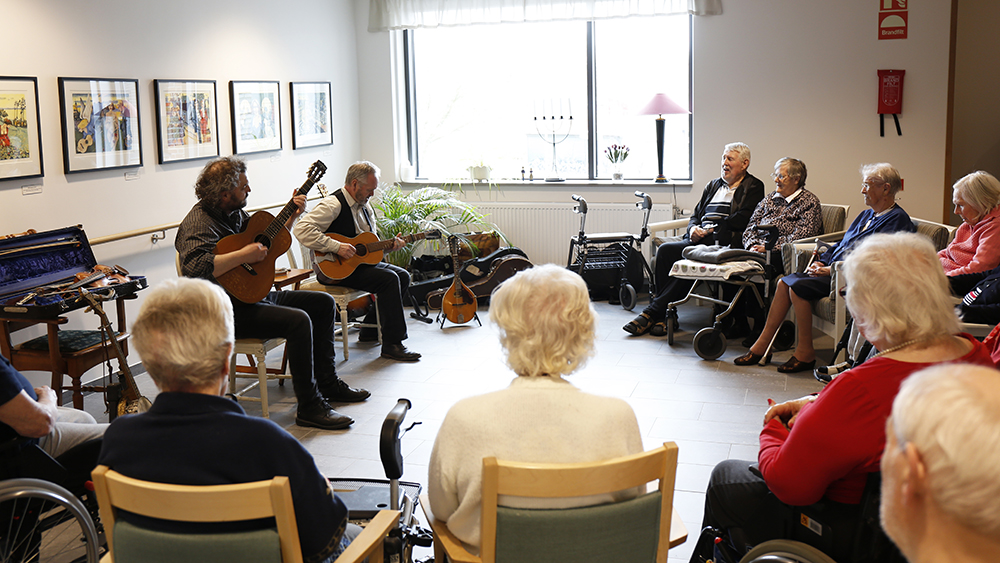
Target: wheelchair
x,y
48,512
811,540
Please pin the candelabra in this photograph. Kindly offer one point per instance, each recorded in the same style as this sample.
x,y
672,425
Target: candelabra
x,y
554,130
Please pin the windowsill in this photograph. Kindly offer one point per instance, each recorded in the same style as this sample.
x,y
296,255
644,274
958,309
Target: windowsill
x,y
505,183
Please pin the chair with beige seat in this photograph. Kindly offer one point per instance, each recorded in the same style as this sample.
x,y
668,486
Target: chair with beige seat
x,y
639,529
131,542
343,296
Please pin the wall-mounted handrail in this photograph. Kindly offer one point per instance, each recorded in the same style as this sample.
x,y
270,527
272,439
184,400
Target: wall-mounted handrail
x,y
155,231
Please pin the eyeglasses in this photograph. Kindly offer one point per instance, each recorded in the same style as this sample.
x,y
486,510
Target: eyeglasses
x,y
779,177
867,185
843,292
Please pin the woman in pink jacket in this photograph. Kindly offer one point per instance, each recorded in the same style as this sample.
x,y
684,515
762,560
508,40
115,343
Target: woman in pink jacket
x,y
976,247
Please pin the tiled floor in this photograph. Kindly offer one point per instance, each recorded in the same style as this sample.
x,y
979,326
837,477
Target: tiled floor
x,y
713,410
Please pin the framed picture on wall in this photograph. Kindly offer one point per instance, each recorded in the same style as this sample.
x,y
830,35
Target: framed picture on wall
x,y
187,126
100,123
20,144
312,117
256,118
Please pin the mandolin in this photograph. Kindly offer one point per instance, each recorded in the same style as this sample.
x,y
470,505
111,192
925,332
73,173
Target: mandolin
x,y
251,282
459,302
131,400
370,250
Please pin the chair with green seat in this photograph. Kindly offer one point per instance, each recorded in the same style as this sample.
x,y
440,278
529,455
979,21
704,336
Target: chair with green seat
x,y
639,529
129,542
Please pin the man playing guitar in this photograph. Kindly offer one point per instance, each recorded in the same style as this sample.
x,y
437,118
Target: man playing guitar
x,y
305,319
386,281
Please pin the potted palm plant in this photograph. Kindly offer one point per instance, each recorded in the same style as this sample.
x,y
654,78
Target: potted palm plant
x,y
424,209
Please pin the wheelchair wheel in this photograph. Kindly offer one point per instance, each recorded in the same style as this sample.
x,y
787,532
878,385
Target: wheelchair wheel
x,y
627,296
41,521
709,343
785,551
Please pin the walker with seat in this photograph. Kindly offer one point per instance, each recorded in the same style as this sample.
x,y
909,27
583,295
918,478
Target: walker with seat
x,y
612,260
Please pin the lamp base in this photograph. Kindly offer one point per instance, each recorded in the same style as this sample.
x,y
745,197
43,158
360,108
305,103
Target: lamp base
x,y
555,179
661,179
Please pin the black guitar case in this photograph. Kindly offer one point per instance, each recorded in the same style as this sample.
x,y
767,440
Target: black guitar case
x,y
500,270
475,270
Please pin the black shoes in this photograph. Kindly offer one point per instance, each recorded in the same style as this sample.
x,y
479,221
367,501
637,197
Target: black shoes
x,y
341,392
399,353
319,414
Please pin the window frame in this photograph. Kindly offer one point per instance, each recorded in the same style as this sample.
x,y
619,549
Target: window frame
x,y
410,78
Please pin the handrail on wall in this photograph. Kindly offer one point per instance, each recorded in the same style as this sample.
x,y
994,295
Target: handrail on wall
x,y
159,232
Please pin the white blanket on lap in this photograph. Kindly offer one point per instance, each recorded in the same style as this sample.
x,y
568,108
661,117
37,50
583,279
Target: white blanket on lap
x,y
689,269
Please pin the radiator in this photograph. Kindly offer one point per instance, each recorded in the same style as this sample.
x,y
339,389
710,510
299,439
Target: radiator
x,y
543,230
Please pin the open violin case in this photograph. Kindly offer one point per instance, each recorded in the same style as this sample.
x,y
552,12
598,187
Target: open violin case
x,y
37,269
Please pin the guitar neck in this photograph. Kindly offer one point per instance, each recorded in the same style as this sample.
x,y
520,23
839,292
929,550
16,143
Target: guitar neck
x,y
287,211
389,242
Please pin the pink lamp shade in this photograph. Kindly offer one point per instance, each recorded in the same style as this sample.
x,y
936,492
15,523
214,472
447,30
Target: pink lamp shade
x,y
661,104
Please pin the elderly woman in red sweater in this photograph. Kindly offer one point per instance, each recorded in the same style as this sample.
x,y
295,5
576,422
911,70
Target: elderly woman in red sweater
x,y
976,247
823,446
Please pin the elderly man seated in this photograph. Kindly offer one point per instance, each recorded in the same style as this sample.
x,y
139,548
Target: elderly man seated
x,y
942,450
719,218
193,435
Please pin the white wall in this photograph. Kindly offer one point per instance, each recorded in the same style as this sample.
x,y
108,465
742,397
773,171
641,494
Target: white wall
x,y
790,78
221,40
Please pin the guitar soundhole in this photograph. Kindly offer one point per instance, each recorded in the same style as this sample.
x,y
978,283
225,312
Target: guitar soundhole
x,y
262,238
361,250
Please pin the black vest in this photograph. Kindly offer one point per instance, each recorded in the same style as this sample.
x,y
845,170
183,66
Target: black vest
x,y
344,223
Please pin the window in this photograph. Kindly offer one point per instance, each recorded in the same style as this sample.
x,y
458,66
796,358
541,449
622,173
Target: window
x,y
527,95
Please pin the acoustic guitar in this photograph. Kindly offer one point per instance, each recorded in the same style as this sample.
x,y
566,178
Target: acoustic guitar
x,y
459,302
251,282
370,250
129,399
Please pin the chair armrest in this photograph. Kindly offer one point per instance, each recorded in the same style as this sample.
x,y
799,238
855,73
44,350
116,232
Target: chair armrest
x,y
370,539
837,280
442,535
671,225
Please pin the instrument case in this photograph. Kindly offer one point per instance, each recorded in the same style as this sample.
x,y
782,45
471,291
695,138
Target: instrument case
x,y
46,259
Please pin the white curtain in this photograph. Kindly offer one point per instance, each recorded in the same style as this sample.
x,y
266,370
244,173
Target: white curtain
x,y
409,14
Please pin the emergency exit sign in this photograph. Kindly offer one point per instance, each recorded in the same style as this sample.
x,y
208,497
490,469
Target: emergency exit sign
x,y
892,19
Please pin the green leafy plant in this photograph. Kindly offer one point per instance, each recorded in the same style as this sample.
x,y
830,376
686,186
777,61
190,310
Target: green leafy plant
x,y
424,209
616,153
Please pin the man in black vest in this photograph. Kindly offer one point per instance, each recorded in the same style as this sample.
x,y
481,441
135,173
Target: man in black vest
x,y
305,319
346,212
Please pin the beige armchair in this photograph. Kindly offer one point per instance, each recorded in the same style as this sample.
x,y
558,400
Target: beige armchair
x,y
829,313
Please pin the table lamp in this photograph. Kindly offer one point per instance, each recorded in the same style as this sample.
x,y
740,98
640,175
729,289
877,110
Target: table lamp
x,y
659,105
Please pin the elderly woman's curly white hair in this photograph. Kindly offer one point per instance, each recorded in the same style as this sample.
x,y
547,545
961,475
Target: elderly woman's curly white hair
x,y
546,321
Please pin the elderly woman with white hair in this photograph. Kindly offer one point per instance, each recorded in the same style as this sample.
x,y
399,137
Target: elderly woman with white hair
x,y
880,184
823,446
976,246
547,327
939,482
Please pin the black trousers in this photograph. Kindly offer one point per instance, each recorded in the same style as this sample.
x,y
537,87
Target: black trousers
x,y
740,504
388,283
305,319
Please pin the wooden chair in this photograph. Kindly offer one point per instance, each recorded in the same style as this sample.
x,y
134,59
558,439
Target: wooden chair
x,y
342,296
129,542
639,529
62,352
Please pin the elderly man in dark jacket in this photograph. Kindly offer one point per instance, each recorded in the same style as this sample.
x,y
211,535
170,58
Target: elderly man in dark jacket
x,y
720,218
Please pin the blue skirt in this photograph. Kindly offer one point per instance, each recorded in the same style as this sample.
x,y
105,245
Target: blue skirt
x,y
810,288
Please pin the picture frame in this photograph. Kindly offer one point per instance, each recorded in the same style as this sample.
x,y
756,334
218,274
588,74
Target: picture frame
x,y
312,114
20,143
187,121
256,117
101,123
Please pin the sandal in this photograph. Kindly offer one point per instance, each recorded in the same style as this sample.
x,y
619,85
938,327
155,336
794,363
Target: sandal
x,y
658,329
639,325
